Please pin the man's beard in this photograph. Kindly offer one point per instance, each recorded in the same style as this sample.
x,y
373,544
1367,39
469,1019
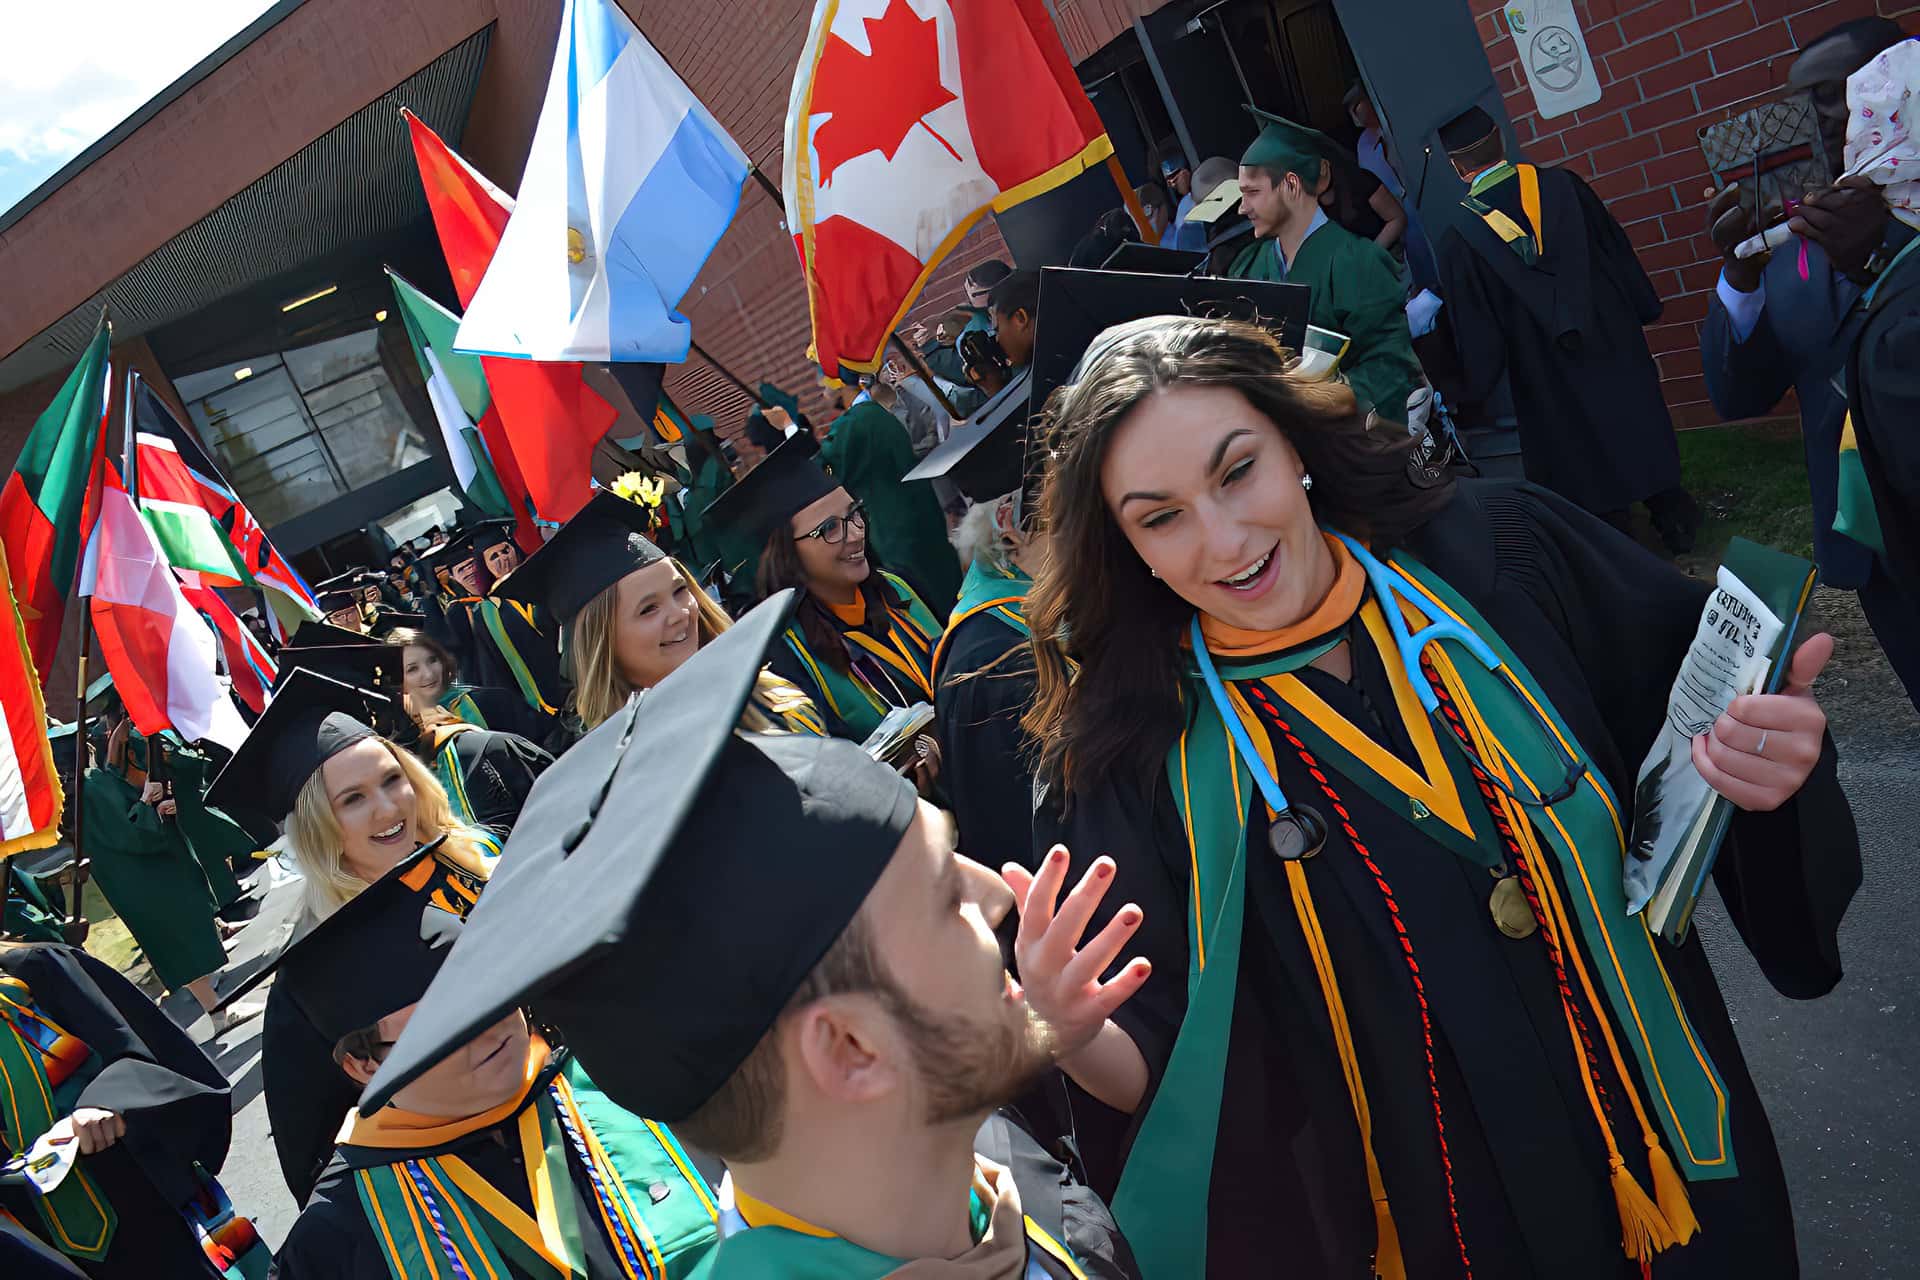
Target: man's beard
x,y
968,1068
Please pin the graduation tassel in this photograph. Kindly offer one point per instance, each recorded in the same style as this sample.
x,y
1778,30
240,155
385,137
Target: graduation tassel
x,y
1643,1231
1670,1190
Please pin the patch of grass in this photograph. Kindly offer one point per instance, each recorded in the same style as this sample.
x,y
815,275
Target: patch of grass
x,y
1750,480
108,939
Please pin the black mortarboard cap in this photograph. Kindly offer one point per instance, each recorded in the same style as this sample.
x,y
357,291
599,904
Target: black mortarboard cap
x,y
335,601
784,484
380,668
309,721
1465,129
1076,306
604,542
378,954
633,898
319,635
486,534
983,456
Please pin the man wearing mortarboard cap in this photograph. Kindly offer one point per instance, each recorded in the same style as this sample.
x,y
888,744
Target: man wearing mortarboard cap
x,y
508,644
503,1159
1542,286
1356,285
807,986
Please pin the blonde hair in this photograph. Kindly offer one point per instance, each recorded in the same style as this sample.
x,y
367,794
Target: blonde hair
x,y
600,689
315,840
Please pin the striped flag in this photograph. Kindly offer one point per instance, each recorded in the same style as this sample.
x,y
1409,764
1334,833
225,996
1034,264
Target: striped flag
x,y
42,521
457,388
162,655
545,420
197,519
30,798
249,666
630,183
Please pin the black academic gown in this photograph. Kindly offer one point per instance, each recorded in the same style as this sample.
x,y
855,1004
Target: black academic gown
x,y
1599,622
1566,332
536,641
499,769
984,765
307,1094
174,1100
333,1240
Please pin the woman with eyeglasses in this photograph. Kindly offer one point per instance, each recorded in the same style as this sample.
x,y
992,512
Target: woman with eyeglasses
x,y
861,641
1388,1005
631,614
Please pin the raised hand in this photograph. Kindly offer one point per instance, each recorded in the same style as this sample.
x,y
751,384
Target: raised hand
x,y
1061,978
1728,223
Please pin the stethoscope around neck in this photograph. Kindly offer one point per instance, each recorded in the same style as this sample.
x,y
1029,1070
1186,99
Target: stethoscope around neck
x,y
1298,830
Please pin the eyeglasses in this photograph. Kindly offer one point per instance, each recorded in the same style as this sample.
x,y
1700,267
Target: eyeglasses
x,y
833,530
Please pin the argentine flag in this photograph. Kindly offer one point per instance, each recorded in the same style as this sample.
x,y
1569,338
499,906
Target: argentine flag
x,y
628,187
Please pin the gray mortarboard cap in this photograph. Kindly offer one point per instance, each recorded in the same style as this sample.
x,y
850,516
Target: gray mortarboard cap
x,y
633,898
983,456
310,720
379,953
785,483
1466,129
604,542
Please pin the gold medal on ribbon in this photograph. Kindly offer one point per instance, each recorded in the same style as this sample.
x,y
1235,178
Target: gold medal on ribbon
x,y
1508,907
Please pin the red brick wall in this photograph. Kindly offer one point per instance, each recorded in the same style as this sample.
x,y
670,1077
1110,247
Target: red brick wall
x,y
1666,69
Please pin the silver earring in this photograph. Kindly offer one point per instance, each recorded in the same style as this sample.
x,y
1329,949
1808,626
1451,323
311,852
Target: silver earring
x,y
1306,481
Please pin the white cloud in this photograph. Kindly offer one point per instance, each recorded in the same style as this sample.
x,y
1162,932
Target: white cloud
x,y
74,70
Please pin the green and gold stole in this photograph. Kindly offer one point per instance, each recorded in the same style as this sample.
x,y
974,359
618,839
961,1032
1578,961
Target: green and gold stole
x,y
434,1216
488,611
987,589
908,649
459,700
758,1242
1161,1202
1528,246
43,1068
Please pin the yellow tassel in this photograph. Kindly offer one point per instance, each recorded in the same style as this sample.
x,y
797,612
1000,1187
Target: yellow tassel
x,y
1643,1232
1387,1262
1670,1190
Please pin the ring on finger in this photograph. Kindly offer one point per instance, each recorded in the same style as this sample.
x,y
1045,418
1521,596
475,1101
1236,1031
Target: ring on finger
x,y
1761,750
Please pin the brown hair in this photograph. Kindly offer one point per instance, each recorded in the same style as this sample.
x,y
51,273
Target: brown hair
x,y
743,1120
780,568
404,636
1093,601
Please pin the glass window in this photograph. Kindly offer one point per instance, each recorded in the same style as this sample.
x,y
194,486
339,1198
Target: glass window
x,y
304,427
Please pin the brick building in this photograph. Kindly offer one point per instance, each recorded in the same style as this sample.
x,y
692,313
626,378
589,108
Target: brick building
x,y
236,224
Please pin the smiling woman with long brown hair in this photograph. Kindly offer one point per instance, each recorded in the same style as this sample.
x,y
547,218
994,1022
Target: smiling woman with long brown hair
x,y
1388,1006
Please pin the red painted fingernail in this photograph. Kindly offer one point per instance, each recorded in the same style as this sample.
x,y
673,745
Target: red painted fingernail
x,y
1102,870
1057,855
1129,917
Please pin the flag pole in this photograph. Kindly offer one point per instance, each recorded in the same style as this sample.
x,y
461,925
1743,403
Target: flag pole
x,y
1129,198
76,923
920,367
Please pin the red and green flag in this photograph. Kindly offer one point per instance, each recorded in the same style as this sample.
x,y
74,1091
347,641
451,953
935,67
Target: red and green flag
x,y
457,388
42,525
30,798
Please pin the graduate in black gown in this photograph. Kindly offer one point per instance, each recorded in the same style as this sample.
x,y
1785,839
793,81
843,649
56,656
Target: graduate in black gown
x,y
82,1049
504,1160
1542,285
982,665
835,1023
354,803
509,644
1394,1016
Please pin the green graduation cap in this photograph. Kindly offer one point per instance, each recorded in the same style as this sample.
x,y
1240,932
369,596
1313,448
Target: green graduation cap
x,y
1284,145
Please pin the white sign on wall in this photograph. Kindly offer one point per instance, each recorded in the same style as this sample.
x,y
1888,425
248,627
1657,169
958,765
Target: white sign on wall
x,y
1553,55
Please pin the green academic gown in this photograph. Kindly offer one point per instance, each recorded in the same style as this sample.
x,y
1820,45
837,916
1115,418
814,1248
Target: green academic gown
x,y
151,879
868,451
213,838
1356,291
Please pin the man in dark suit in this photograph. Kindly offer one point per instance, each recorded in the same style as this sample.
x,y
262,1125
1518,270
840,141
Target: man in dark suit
x,y
1770,328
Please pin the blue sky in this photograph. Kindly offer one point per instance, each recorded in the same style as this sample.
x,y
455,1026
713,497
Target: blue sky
x,y
75,69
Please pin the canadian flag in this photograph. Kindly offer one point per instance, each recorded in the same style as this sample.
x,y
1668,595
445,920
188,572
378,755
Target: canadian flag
x,y
909,120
